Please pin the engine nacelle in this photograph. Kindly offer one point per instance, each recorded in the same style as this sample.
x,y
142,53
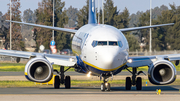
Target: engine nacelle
x,y
38,70
162,72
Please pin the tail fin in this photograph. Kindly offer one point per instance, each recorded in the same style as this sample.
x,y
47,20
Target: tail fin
x,y
92,12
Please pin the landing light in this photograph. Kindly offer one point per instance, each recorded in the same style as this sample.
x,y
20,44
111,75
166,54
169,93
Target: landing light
x,y
71,59
89,74
130,60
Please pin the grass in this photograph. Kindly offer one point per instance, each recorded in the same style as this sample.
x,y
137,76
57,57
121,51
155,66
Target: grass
x,y
74,83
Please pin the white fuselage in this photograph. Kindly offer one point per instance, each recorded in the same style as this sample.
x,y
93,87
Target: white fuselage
x,y
102,48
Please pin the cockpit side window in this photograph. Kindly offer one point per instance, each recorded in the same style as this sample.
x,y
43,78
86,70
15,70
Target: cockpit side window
x,y
120,44
94,43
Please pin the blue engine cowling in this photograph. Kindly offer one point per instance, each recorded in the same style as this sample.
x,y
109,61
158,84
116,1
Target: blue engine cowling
x,y
162,72
39,70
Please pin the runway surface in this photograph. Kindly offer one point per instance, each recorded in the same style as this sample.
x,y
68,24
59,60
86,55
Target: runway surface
x,y
90,94
150,90
148,93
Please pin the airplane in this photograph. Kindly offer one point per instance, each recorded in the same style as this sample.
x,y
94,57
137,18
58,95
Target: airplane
x,y
101,50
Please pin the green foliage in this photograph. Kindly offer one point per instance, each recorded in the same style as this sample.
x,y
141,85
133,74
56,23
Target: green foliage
x,y
163,38
110,12
17,43
83,15
155,13
72,15
45,16
133,42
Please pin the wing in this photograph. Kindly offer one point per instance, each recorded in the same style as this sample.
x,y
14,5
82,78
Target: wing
x,y
147,60
144,27
47,27
62,60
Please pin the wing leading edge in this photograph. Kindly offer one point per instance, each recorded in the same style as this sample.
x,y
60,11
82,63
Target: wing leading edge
x,y
144,27
47,27
147,60
61,60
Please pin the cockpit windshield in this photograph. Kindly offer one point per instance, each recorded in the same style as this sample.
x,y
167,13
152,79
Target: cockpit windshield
x,y
107,43
113,43
102,43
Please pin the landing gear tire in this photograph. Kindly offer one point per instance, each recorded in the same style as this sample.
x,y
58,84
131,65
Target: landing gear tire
x,y
128,83
67,82
108,87
56,82
139,83
103,87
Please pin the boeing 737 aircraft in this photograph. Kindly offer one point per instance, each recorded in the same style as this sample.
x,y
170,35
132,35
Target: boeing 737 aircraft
x,y
101,50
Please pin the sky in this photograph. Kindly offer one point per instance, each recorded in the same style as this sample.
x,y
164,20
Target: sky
x,y
132,5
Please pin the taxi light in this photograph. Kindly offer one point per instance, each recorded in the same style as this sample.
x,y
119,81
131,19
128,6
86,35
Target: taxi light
x,y
130,61
89,74
71,59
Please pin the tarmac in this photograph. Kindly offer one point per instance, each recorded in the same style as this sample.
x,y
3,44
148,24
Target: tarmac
x,y
90,94
148,93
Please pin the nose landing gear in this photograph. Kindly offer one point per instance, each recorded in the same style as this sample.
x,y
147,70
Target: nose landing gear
x,y
105,86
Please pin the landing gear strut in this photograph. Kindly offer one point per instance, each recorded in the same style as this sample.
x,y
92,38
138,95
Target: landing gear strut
x,y
135,82
105,85
62,79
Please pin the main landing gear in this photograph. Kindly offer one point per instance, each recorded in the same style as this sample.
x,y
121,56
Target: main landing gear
x,y
135,82
105,85
62,79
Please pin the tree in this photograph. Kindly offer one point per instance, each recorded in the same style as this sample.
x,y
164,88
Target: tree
x,y
110,11
45,16
155,13
4,29
72,15
29,16
17,43
171,33
133,42
83,15
122,19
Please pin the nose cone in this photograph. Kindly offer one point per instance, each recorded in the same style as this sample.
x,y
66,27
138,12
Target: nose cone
x,y
110,59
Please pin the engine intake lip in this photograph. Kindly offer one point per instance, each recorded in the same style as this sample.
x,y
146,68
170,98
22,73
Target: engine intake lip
x,y
46,66
169,74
